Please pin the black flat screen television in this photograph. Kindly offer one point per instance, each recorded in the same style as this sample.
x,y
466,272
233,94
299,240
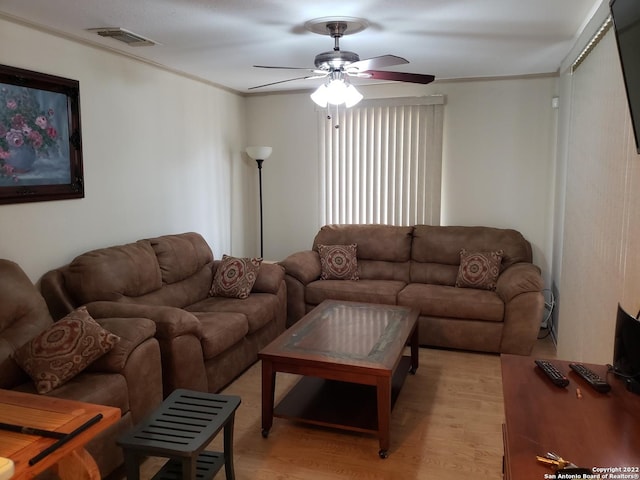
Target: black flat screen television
x,y
626,20
626,348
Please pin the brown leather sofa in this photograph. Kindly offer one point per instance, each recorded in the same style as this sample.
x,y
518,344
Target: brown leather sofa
x,y
205,341
128,377
417,266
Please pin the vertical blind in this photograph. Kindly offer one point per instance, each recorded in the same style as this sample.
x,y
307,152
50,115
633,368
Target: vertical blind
x,y
601,224
381,162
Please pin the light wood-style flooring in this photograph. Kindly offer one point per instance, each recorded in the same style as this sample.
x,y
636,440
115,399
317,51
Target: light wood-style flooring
x,y
446,425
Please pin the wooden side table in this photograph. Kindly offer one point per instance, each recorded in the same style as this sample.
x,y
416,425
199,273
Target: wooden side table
x,y
180,429
33,454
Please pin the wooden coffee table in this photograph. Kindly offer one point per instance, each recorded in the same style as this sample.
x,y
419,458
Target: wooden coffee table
x,y
351,358
28,452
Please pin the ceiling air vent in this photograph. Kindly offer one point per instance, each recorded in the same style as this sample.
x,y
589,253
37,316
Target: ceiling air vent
x,y
130,38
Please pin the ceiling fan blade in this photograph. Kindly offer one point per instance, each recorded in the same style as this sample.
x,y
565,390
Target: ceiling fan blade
x,y
399,76
308,77
377,62
284,68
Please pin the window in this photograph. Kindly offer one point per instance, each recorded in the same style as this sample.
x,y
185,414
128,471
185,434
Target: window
x,y
381,162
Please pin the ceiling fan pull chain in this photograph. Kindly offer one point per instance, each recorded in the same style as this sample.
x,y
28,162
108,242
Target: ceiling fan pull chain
x,y
334,119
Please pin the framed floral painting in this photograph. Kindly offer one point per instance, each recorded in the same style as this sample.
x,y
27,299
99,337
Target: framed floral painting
x,y
40,138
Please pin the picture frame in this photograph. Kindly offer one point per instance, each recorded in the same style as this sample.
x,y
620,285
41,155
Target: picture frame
x,y
40,137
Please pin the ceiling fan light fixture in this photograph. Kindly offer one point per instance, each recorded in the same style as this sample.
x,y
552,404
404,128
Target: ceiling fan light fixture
x,y
336,91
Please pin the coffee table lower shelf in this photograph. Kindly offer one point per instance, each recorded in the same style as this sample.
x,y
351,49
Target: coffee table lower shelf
x,y
342,405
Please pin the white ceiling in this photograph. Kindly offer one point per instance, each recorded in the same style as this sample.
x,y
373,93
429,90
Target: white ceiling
x,y
220,40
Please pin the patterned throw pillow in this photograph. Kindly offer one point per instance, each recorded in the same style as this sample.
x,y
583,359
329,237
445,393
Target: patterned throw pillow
x,y
479,269
235,277
338,262
64,350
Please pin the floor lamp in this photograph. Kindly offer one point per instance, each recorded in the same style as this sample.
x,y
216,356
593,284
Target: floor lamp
x,y
260,154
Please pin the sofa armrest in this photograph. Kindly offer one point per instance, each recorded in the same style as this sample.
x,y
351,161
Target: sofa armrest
x,y
178,333
270,278
53,290
300,268
303,266
132,332
520,287
170,321
519,278
144,375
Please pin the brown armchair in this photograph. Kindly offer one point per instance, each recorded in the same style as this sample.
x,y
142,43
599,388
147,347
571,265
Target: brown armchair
x,y
128,377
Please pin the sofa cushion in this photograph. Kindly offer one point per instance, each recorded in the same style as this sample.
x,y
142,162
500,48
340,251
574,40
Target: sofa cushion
x,y
479,269
381,270
111,273
259,308
434,273
338,262
270,278
442,245
101,388
383,251
181,256
220,331
178,294
452,302
375,242
234,277
65,349
371,291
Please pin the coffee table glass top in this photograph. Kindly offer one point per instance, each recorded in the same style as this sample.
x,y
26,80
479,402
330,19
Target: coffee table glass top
x,y
349,332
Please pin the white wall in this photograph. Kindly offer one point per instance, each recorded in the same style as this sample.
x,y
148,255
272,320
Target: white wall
x,y
162,154
498,170
291,210
498,158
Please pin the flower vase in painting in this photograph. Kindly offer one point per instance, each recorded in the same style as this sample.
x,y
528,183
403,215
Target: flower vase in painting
x,y
32,126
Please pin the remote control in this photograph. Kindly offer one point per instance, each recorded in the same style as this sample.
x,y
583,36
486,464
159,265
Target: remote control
x,y
591,377
553,373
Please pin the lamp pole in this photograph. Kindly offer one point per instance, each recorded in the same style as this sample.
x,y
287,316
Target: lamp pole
x,y
260,154
259,162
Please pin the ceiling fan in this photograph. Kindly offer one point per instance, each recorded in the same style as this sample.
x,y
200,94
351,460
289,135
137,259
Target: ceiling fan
x,y
338,65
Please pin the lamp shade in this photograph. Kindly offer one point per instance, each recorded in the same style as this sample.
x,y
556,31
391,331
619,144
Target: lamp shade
x,y
352,96
259,153
320,96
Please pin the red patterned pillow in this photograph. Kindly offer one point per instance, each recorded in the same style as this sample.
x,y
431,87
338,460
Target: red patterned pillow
x,y
479,269
235,277
338,262
64,350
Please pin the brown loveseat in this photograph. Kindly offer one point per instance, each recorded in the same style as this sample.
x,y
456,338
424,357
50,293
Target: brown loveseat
x,y
128,377
417,266
205,341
